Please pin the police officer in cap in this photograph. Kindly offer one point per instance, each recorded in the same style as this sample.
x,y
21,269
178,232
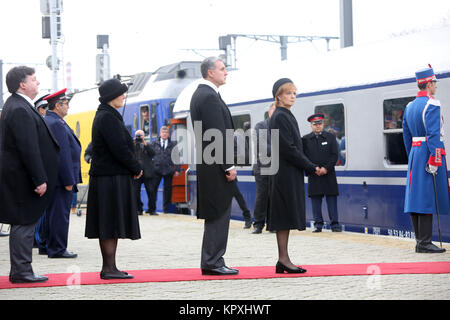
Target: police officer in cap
x,y
321,148
56,220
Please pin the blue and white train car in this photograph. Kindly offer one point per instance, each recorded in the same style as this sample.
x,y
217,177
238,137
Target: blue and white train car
x,y
363,92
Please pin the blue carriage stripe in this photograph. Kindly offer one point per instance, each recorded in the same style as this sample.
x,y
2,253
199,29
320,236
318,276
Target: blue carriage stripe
x,y
345,89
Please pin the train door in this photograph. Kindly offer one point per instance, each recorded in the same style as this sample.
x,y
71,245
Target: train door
x,y
180,183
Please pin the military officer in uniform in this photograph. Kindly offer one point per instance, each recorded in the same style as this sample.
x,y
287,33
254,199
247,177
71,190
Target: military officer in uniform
x,y
321,148
423,136
56,220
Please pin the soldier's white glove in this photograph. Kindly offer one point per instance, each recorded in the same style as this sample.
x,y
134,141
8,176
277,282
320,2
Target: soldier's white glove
x,y
431,169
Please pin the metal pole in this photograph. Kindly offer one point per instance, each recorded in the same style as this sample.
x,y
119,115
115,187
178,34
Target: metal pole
x,y
346,23
54,43
283,47
437,206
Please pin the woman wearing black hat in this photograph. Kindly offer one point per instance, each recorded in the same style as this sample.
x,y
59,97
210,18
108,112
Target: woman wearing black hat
x,y
111,205
286,187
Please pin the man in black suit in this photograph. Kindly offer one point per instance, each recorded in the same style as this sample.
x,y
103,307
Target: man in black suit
x,y
29,160
215,175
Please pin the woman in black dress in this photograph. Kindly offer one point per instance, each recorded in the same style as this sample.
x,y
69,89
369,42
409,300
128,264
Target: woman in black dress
x,y
111,205
286,187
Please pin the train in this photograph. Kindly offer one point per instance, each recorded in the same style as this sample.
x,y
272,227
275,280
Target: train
x,y
363,92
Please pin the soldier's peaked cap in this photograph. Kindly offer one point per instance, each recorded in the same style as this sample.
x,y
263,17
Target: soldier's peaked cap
x,y
59,95
316,118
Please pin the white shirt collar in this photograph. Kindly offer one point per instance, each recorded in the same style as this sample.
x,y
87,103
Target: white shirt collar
x,y
26,98
209,83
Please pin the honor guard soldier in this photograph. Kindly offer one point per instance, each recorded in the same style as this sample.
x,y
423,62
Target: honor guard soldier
x,y
56,220
321,148
423,137
41,105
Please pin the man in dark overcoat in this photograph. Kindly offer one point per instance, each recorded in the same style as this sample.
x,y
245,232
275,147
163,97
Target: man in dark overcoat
x,y
321,147
29,160
57,215
215,177
164,169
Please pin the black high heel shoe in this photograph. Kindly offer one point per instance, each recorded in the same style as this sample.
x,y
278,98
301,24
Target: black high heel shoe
x,y
115,275
281,268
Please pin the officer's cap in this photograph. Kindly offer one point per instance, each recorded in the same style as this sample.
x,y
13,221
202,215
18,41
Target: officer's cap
x,y
316,118
55,97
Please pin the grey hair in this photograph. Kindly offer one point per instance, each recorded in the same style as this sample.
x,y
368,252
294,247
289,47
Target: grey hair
x,y
208,64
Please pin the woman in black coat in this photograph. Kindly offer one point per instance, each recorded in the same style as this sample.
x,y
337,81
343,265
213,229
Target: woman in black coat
x,y
111,205
286,187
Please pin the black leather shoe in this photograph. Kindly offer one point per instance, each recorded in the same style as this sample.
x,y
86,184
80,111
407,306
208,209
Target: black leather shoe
x,y
28,279
153,214
336,229
281,268
66,254
257,230
222,271
317,230
115,275
248,224
429,248
42,251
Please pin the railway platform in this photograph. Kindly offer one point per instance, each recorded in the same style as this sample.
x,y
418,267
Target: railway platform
x,y
172,241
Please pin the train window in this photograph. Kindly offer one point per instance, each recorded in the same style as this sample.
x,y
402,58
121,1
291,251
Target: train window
x,y
154,122
242,138
77,129
144,120
393,112
334,122
171,106
135,122
395,152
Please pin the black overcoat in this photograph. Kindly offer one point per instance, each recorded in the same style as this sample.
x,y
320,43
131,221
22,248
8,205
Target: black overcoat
x,y
112,146
214,192
29,156
286,187
322,150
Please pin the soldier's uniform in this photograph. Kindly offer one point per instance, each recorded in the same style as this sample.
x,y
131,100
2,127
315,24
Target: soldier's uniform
x,y
423,138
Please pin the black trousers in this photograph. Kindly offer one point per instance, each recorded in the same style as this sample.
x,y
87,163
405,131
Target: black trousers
x,y
54,227
167,191
261,200
423,227
148,189
21,238
316,204
215,238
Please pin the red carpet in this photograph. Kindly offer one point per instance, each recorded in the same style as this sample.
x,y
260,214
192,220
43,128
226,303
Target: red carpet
x,y
194,274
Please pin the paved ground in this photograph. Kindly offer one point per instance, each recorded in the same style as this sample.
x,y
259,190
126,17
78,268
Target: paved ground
x,y
174,241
